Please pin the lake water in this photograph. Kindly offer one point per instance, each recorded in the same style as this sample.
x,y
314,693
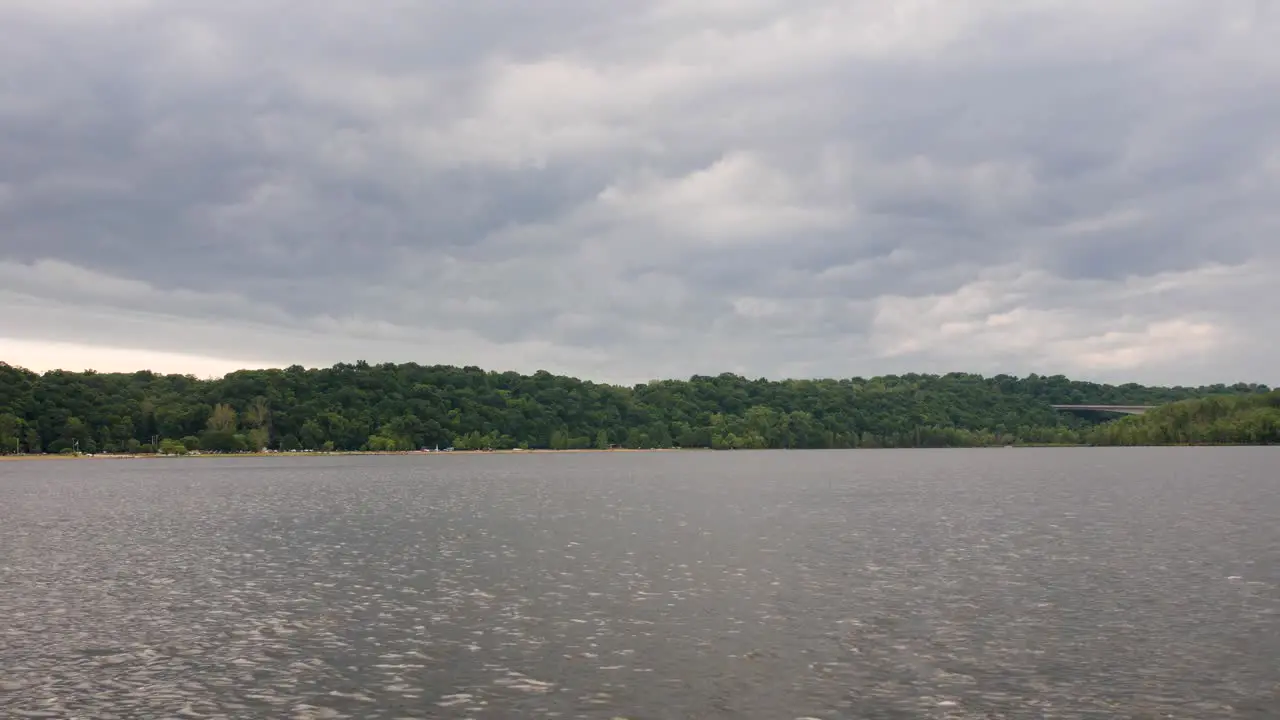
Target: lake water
x,y
1037,583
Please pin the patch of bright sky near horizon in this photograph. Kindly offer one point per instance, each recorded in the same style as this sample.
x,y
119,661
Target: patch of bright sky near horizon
x,y
629,191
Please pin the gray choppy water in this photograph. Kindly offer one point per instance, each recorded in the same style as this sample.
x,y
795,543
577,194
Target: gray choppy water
x,y
1039,584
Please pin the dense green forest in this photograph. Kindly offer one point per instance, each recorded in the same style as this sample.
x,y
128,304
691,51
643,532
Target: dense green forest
x,y
399,407
1252,419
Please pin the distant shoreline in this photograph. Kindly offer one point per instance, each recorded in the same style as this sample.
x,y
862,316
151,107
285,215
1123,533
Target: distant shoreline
x,y
334,453
409,406
548,451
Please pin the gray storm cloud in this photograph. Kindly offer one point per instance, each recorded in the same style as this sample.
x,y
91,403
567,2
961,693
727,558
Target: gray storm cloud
x,y
627,191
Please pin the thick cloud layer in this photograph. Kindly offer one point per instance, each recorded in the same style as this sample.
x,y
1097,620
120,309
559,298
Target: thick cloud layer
x,y
634,190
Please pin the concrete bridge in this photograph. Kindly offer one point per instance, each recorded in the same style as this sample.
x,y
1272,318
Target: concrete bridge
x,y
1121,409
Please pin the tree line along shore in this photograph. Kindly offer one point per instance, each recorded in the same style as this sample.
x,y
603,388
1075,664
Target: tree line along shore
x,y
402,407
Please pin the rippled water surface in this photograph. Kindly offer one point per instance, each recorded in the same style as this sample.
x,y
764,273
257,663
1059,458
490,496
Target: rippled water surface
x,y
1074,583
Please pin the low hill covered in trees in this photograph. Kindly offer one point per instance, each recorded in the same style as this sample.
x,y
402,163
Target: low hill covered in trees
x,y
1252,419
408,406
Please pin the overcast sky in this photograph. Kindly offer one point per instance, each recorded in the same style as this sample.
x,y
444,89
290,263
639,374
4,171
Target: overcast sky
x,y
632,190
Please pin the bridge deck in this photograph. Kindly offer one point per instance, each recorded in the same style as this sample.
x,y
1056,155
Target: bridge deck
x,y
1123,409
